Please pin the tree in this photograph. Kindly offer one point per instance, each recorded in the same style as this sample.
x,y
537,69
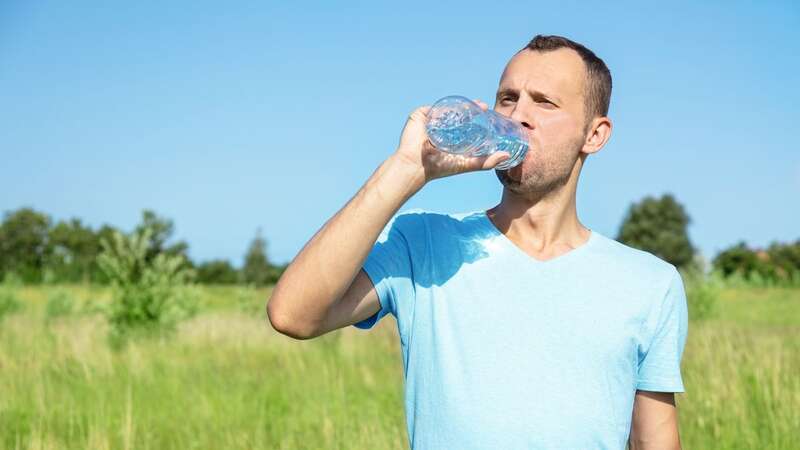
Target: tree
x,y
161,230
257,269
659,226
785,258
73,250
218,271
737,259
780,262
23,244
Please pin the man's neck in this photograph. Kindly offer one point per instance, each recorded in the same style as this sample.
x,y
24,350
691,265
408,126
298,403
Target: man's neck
x,y
546,226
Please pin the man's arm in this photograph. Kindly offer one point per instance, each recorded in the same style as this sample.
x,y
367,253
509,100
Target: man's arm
x,y
654,425
324,288
326,267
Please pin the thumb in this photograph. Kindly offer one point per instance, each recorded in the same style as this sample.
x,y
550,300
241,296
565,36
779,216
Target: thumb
x,y
487,162
495,159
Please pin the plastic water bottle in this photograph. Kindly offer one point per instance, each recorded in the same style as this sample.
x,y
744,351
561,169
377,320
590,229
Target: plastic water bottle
x,y
458,125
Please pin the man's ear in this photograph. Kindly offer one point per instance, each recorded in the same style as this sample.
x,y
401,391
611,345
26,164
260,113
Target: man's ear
x,y
598,135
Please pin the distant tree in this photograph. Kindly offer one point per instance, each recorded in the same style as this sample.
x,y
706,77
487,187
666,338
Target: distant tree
x,y
737,259
73,250
785,258
162,230
218,271
780,262
23,244
257,269
659,226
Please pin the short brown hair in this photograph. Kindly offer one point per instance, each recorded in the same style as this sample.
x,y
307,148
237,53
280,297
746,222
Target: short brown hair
x,y
597,94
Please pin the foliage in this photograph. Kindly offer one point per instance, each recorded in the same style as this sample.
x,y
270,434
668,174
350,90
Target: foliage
x,y
257,269
73,248
161,230
779,265
67,252
23,244
659,226
218,271
149,295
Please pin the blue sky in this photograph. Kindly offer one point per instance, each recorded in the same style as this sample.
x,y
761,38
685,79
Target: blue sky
x,y
229,117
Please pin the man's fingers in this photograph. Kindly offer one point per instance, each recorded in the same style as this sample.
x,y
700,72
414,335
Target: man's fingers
x,y
483,105
420,112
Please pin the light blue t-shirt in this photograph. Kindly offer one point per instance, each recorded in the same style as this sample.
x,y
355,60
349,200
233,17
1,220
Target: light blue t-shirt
x,y
503,351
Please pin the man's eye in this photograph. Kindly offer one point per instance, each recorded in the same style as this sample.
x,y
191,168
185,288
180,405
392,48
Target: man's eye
x,y
507,99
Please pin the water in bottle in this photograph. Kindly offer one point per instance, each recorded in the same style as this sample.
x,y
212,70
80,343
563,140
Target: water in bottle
x,y
458,125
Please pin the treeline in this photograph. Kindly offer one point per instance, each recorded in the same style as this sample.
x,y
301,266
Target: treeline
x,y
38,250
778,263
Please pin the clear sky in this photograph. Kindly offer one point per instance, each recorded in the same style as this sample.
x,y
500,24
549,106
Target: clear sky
x,y
226,117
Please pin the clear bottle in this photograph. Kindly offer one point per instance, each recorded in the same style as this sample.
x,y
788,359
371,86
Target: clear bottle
x,y
458,125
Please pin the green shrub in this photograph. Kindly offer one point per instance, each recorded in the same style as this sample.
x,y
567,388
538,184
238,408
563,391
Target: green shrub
x,y
150,295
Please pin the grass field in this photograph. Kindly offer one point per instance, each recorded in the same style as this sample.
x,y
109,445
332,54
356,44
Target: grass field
x,y
227,380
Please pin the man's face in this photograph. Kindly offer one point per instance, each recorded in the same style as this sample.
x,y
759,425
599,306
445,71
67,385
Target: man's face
x,y
544,91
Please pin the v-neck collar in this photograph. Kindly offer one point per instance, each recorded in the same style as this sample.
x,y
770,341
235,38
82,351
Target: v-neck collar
x,y
514,248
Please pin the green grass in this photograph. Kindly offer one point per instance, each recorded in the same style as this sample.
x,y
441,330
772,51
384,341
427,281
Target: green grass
x,y
227,380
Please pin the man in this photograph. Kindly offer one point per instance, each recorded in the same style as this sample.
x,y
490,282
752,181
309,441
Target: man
x,y
520,328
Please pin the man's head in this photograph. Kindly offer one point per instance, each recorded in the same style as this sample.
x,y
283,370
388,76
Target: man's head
x,y
560,91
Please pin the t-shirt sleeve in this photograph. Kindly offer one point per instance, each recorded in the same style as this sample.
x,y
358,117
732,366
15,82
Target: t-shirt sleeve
x,y
389,267
660,363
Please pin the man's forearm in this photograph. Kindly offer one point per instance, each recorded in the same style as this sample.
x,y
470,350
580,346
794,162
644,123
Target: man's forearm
x,y
654,423
330,260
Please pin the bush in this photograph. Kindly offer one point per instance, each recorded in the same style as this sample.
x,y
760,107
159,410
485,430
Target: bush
x,y
150,295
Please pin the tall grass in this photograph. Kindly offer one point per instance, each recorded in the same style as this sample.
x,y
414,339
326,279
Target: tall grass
x,y
9,303
227,380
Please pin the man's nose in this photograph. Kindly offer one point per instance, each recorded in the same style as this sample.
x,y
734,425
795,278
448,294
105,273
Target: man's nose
x,y
520,116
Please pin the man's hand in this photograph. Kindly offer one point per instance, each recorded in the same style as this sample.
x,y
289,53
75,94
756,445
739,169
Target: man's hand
x,y
417,151
654,425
